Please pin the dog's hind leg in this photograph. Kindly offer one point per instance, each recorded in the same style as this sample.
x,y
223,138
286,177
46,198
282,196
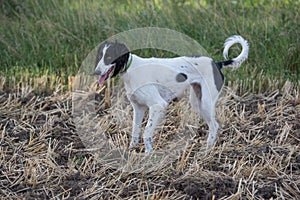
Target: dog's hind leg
x,y
156,113
138,115
208,113
203,102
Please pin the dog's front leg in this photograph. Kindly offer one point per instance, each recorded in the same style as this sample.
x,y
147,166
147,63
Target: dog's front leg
x,y
156,112
138,115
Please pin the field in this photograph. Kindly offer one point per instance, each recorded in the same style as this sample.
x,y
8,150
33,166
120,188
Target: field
x,y
257,154
43,155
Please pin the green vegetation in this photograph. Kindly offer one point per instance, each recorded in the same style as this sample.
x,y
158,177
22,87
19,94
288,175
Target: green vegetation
x,y
53,37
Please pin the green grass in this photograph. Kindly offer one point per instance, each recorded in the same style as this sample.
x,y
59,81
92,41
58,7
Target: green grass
x,y
55,36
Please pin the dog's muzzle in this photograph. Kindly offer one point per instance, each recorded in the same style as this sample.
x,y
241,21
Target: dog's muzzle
x,y
103,77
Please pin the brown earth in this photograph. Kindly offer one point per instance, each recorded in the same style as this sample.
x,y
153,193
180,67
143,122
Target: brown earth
x,y
257,154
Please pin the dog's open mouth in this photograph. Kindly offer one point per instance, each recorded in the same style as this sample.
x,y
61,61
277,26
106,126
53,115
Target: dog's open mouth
x,y
103,77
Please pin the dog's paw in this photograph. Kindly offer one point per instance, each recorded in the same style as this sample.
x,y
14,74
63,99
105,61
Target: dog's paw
x,y
135,149
134,142
148,144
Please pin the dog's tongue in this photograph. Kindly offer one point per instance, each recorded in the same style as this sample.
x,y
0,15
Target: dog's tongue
x,y
105,76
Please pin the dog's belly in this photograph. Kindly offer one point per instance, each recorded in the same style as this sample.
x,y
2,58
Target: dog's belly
x,y
152,94
169,94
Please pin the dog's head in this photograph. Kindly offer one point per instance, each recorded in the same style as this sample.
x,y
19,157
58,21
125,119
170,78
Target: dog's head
x,y
111,59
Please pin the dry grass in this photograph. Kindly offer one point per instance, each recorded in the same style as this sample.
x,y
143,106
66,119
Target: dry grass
x,y
257,155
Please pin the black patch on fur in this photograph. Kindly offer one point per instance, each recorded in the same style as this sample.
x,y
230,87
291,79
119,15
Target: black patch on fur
x,y
197,89
218,75
181,77
222,64
116,53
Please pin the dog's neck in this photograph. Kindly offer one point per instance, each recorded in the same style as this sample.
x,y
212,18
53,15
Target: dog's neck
x,y
128,64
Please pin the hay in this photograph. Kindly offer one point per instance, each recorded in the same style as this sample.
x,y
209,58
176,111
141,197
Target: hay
x,y
257,154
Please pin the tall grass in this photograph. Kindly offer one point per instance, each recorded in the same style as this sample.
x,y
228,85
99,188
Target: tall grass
x,y
53,37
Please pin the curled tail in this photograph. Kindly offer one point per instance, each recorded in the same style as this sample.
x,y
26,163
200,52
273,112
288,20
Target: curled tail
x,y
234,62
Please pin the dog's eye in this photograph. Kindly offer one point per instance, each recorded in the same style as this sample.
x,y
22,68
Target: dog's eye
x,y
108,59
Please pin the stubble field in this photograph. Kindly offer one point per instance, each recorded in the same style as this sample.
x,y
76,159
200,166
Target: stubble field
x,y
257,154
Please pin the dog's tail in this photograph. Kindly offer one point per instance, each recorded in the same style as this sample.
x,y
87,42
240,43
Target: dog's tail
x,y
234,62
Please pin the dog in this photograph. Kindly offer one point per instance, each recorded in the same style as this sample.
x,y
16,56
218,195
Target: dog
x,y
152,83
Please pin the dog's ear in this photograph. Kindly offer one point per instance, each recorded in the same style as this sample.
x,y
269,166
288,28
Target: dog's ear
x,y
122,56
123,49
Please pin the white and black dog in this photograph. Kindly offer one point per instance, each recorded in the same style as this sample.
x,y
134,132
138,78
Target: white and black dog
x,y
154,82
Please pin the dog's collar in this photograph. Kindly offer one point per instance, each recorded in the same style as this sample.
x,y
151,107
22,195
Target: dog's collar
x,y
128,65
